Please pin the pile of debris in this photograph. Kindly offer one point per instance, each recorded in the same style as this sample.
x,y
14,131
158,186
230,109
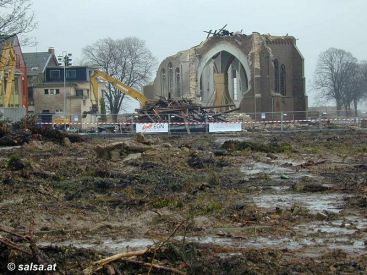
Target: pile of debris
x,y
27,129
182,111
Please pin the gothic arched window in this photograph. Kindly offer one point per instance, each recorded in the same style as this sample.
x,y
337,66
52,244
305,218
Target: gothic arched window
x,y
178,82
163,81
170,80
276,75
283,79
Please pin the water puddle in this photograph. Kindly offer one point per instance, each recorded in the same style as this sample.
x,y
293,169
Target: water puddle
x,y
309,245
273,170
346,226
315,202
7,148
280,189
107,245
317,228
260,167
220,141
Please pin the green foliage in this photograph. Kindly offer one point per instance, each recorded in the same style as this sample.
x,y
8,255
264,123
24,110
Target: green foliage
x,y
213,179
213,207
362,149
161,202
15,163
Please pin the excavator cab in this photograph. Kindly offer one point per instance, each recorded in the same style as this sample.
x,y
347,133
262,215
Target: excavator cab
x,y
93,110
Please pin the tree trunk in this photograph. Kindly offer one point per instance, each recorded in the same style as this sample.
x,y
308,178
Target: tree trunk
x,y
103,110
114,112
355,105
338,107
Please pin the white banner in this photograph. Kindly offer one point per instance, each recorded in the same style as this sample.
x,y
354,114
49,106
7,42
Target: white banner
x,y
225,127
152,127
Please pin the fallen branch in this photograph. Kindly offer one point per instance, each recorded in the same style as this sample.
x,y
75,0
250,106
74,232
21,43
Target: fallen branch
x,y
162,243
170,236
3,229
159,267
125,255
311,163
13,246
36,253
99,264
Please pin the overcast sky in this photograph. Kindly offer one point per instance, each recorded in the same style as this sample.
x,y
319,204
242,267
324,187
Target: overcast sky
x,y
169,26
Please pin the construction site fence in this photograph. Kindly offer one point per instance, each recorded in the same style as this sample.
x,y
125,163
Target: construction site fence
x,y
231,122
12,114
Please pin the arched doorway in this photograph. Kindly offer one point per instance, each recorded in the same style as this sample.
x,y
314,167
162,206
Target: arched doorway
x,y
223,75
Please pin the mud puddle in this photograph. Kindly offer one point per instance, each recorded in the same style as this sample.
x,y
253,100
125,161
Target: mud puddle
x,y
314,202
107,245
303,245
8,148
220,141
274,170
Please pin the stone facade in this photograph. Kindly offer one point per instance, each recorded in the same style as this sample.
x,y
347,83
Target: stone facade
x,y
256,73
53,94
37,62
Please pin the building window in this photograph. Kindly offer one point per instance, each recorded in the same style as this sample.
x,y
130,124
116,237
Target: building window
x,y
58,111
170,79
276,75
163,81
52,91
16,86
235,83
54,75
79,93
70,74
283,80
178,82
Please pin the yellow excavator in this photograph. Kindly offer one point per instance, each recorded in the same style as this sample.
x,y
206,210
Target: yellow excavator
x,y
7,70
120,86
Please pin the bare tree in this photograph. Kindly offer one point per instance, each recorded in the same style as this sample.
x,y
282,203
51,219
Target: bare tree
x,y
127,59
356,88
333,76
16,17
362,87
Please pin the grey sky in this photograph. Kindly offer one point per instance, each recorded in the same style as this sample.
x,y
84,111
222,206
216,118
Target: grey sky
x,y
169,26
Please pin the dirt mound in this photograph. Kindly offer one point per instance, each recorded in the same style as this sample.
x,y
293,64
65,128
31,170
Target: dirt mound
x,y
27,129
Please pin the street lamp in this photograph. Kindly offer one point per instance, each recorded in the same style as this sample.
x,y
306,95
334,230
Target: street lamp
x,y
65,60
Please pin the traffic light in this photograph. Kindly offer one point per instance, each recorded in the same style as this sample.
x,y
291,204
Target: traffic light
x,y
68,60
60,62
65,60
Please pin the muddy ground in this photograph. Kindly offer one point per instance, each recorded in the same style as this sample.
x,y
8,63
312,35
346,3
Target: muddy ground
x,y
255,203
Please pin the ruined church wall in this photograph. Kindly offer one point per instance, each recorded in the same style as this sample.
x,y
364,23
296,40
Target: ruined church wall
x,y
259,52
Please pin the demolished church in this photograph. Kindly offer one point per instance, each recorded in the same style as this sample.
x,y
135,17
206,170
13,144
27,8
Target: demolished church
x,y
255,73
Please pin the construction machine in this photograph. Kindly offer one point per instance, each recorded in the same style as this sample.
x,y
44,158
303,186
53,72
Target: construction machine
x,y
7,70
120,86
61,123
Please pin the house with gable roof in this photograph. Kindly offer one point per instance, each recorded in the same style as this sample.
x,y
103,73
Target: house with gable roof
x,y
37,63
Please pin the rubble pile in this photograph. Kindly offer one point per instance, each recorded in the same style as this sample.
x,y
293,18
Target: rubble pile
x,y
27,130
181,111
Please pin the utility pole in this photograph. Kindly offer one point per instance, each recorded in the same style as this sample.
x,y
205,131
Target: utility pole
x,y
65,61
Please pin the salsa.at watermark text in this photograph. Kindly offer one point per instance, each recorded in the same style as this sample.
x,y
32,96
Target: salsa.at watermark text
x,y
31,267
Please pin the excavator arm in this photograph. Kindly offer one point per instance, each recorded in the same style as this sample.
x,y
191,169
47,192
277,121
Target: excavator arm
x,y
122,87
7,66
